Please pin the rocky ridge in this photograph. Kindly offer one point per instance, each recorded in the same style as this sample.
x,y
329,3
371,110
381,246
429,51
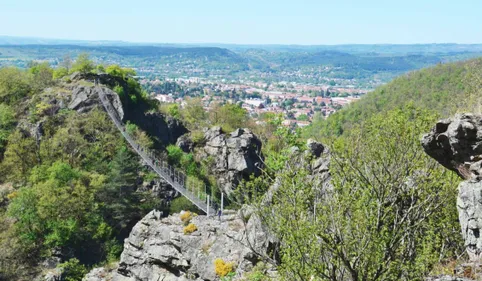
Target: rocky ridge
x,y
235,156
158,248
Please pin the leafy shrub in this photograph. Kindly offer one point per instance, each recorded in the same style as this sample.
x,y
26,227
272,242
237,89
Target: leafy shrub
x,y
190,228
150,176
223,268
258,273
182,204
174,154
120,91
83,64
197,136
73,270
60,72
229,277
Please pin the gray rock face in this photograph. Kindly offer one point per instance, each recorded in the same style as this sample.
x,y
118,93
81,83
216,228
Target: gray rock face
x,y
185,143
98,274
457,144
157,248
469,205
236,156
85,98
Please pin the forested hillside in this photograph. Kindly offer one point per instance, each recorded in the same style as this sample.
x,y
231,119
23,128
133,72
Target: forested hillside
x,y
443,89
67,178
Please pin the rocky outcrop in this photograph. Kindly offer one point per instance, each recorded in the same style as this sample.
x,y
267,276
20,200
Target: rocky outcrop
x,y
158,249
85,98
162,128
457,144
185,143
234,156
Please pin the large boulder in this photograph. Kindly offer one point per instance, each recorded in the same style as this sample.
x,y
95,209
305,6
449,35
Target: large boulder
x,y
235,156
85,98
158,249
457,144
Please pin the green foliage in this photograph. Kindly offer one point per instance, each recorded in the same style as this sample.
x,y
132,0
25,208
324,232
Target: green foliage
x,y
171,109
73,270
194,115
14,85
19,157
7,123
229,277
83,64
229,117
116,70
390,208
57,210
140,136
174,154
42,75
60,73
258,273
445,89
120,91
182,204
120,201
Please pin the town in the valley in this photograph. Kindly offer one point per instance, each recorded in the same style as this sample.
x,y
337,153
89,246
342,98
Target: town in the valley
x,y
298,103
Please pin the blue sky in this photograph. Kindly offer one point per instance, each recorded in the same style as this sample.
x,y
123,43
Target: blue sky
x,y
247,21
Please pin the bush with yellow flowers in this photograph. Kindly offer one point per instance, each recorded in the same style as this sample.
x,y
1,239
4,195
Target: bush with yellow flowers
x,y
186,217
190,229
223,268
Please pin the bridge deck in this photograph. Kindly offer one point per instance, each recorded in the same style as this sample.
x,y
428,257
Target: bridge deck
x,y
175,178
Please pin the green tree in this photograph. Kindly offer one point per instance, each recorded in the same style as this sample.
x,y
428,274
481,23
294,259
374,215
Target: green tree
x,y
83,64
7,123
20,156
58,210
60,72
120,201
194,114
385,215
118,71
73,270
14,84
229,117
42,75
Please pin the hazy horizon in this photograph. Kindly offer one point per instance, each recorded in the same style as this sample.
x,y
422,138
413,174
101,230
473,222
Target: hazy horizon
x,y
48,41
250,22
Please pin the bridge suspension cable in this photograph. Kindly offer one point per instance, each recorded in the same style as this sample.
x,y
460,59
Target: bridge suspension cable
x,y
176,178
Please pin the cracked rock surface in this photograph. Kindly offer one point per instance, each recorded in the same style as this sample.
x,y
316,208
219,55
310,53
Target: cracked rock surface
x,y
456,143
235,156
158,249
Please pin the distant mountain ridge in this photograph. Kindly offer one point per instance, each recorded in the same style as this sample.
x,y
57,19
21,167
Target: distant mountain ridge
x,y
348,48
